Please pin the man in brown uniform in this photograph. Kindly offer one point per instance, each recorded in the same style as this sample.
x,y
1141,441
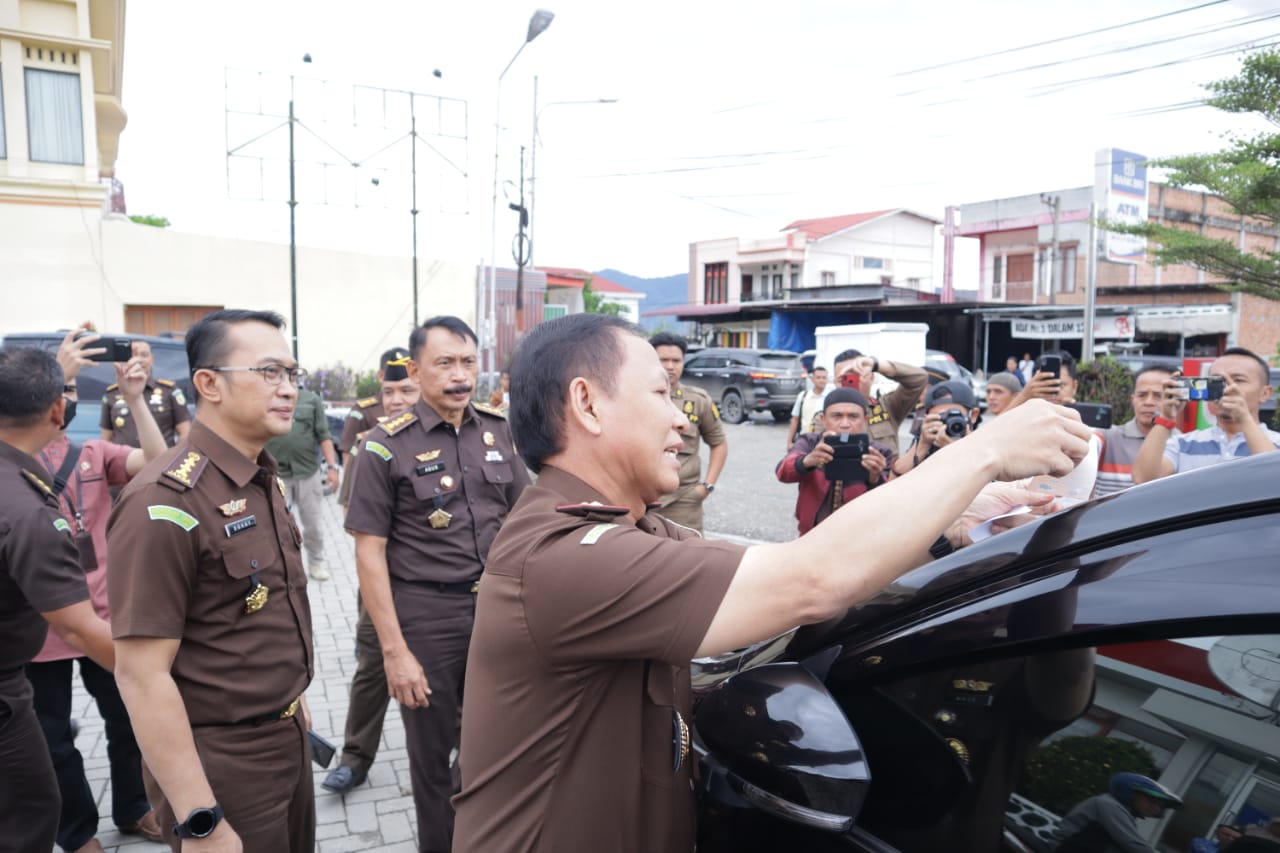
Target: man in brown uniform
x,y
209,606
369,699
888,411
40,576
164,398
684,505
432,488
575,723
365,415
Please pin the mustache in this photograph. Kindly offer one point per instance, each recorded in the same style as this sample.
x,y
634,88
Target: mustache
x,y
459,389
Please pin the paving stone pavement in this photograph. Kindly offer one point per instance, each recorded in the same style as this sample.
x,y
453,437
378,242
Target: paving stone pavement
x,y
378,815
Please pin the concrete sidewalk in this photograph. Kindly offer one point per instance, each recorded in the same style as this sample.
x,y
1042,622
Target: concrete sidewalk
x,y
376,816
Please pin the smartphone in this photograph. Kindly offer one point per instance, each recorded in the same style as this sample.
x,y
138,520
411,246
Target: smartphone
x,y
1049,364
117,349
1093,415
1202,387
850,380
848,450
321,750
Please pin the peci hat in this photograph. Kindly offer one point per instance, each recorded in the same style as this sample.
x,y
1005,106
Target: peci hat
x,y
951,391
394,364
845,395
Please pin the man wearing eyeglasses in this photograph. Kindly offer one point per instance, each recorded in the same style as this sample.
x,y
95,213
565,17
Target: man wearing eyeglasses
x,y
210,615
432,488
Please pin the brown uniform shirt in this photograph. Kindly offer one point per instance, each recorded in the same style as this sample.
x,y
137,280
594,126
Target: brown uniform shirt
x,y
888,412
585,625
166,401
704,425
416,467
364,415
39,565
190,539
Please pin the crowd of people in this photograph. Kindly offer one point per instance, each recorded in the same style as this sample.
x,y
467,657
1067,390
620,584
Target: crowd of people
x,y
536,635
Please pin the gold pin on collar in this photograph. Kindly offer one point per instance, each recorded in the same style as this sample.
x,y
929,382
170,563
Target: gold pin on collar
x,y
233,507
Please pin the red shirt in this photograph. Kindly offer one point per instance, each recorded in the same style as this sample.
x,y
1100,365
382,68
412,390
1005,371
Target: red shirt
x,y
101,466
816,500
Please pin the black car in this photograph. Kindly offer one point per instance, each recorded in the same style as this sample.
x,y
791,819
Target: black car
x,y
742,381
974,702
170,356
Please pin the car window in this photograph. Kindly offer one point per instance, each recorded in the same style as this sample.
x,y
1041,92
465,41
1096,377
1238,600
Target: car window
x,y
779,362
960,753
702,362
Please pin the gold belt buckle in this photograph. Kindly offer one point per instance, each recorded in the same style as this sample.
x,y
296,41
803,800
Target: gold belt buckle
x,y
475,587
291,710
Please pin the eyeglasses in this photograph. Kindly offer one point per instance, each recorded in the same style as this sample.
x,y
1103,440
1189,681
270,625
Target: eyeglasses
x,y
272,374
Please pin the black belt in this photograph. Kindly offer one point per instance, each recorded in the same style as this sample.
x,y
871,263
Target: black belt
x,y
460,588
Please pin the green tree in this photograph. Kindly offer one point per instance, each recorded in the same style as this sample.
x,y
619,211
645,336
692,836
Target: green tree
x,y
149,219
1246,175
594,303
1071,769
1105,380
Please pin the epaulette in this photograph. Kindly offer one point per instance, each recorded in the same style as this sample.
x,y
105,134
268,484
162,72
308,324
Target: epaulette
x,y
113,387
185,471
489,410
367,402
585,510
166,382
395,425
37,483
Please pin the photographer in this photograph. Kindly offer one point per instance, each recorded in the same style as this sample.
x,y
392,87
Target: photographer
x,y
1238,432
1054,380
887,412
950,413
844,414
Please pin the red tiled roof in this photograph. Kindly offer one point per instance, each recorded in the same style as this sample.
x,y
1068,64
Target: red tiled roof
x,y
569,277
828,225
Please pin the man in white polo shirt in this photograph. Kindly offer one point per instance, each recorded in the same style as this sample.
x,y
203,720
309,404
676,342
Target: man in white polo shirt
x,y
1239,431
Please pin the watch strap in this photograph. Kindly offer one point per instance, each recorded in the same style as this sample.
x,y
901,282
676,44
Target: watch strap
x,y
710,487
1161,420
941,547
184,830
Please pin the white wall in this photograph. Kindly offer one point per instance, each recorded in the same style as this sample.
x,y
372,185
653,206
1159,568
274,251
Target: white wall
x,y
62,266
905,240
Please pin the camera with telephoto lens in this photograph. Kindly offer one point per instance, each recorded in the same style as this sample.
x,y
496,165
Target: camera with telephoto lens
x,y
955,422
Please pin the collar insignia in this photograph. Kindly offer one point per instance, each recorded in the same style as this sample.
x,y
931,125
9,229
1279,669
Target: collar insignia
x,y
395,425
233,507
582,510
187,470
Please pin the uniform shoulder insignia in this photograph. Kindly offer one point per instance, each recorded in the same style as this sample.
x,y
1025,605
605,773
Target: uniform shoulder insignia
x,y
168,383
582,510
366,402
395,425
185,470
37,483
489,410
113,387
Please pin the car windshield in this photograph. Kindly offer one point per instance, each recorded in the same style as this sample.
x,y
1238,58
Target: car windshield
x,y
779,362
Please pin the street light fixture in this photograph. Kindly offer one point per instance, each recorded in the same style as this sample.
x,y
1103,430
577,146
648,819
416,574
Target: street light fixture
x,y
537,25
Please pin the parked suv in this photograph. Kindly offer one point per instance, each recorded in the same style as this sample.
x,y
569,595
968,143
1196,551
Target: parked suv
x,y
742,381
170,363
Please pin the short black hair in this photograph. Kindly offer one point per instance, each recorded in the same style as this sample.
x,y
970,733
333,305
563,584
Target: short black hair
x,y
207,339
1153,368
669,339
30,382
818,367
846,356
1068,360
418,339
1248,353
546,361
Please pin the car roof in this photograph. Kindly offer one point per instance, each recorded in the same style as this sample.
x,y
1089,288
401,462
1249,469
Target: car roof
x,y
746,350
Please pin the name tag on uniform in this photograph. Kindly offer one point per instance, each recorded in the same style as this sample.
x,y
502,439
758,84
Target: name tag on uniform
x,y
240,525
493,456
424,470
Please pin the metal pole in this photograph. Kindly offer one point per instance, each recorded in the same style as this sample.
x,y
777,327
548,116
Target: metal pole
x,y
1091,284
492,349
413,207
533,166
293,241
948,254
1054,262
520,252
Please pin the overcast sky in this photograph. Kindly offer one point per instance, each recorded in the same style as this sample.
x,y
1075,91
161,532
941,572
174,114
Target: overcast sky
x,y
732,118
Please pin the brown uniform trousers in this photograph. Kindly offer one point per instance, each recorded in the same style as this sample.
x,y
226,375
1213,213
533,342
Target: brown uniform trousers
x,y
29,799
367,708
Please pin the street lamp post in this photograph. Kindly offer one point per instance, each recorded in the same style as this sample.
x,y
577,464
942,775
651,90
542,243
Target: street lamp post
x,y
537,25
533,152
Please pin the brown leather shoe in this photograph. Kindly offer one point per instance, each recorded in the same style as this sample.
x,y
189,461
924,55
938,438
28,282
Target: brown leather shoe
x,y
148,827
94,846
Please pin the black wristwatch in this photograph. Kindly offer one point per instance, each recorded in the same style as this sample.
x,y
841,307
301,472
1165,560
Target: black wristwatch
x,y
941,547
200,823
710,487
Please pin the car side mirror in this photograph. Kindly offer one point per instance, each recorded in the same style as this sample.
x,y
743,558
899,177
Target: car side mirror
x,y
785,746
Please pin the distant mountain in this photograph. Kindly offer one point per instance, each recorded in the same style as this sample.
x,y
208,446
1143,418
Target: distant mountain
x,y
665,292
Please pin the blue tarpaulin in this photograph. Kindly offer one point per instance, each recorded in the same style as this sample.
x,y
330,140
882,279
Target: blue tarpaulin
x,y
794,330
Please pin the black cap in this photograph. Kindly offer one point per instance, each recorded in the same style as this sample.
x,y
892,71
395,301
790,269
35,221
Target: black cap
x,y
394,364
844,395
951,391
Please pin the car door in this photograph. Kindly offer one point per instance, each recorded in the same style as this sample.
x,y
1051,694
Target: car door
x,y
706,372
993,691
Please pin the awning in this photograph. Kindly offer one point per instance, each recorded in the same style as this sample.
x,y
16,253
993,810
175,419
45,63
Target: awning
x,y
1186,320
